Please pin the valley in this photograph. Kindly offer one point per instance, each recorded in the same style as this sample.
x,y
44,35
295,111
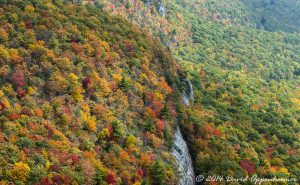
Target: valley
x,y
147,92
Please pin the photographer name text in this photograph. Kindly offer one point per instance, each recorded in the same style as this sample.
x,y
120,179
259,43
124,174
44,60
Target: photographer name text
x,y
254,179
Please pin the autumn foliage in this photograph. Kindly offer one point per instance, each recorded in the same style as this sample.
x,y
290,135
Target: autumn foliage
x,y
72,82
247,166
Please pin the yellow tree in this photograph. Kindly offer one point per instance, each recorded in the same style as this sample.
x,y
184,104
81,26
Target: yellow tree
x,y
20,172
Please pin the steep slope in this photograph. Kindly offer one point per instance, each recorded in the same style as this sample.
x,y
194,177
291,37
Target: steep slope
x,y
88,92
245,118
275,15
152,15
160,18
271,15
85,98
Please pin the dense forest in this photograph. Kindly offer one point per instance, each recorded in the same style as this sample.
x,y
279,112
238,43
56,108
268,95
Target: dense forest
x,y
85,98
90,90
275,15
245,117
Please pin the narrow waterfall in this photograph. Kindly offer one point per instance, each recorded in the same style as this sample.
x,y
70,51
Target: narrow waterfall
x,y
189,95
161,9
191,90
180,149
186,99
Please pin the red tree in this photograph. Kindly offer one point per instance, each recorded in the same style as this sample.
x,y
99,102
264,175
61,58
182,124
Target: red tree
x,y
18,78
110,178
248,166
160,125
140,173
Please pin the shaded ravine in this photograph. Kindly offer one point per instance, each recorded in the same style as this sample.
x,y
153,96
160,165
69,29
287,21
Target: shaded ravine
x,y
180,150
188,96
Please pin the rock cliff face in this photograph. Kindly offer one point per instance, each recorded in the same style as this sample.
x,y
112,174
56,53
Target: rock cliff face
x,y
180,149
183,158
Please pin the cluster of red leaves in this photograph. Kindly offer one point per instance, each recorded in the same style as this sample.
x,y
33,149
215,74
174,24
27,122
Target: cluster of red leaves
x,y
248,166
14,116
110,178
2,106
128,46
160,125
18,79
85,82
210,130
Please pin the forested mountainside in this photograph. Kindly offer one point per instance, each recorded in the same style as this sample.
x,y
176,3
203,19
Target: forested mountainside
x,y
245,117
160,17
275,15
89,98
85,98
152,16
271,15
